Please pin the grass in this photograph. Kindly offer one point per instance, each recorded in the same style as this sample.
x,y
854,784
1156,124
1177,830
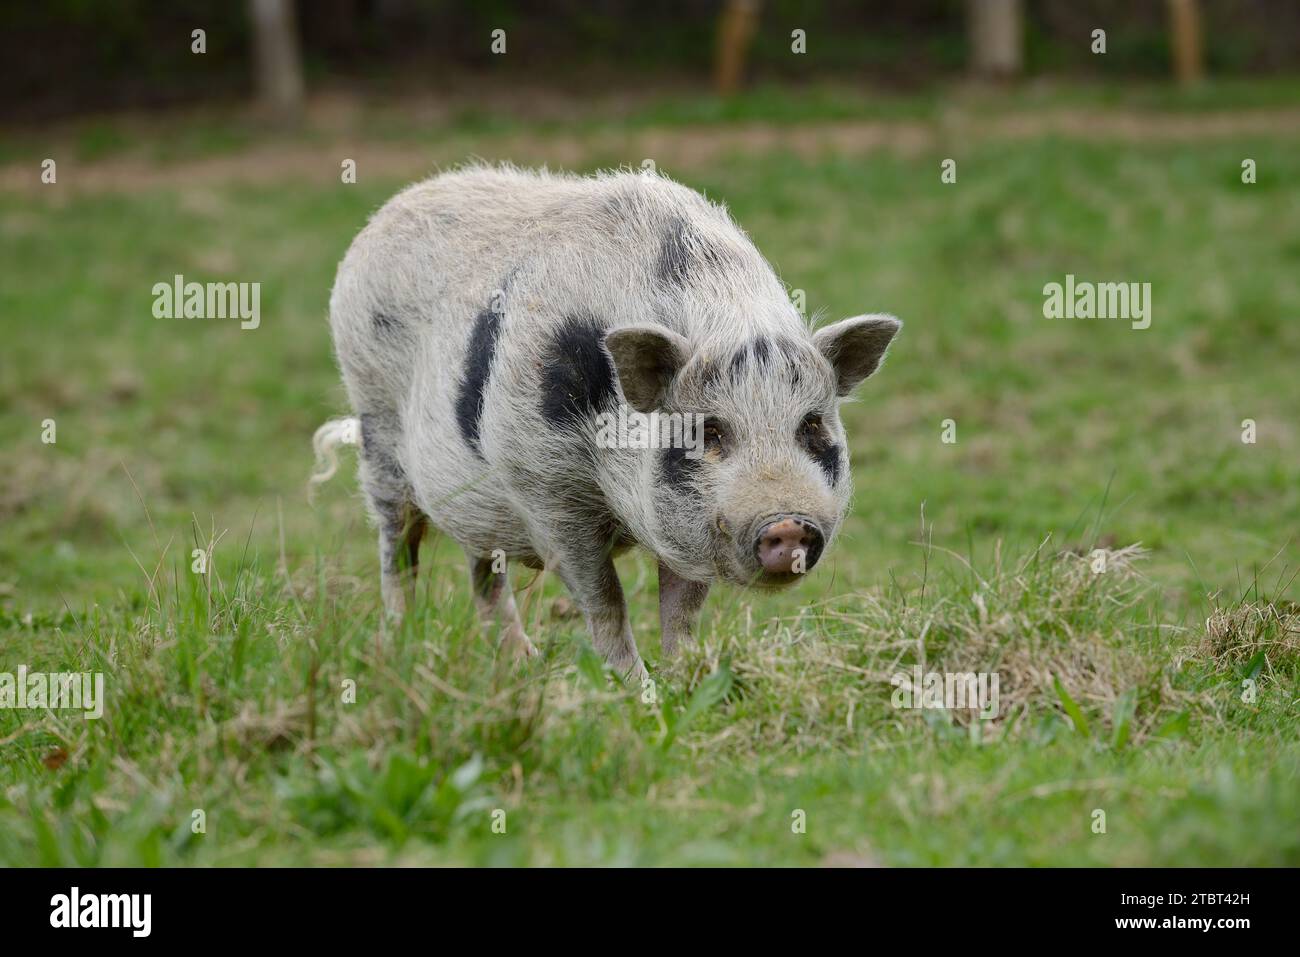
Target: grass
x,y
230,692
485,106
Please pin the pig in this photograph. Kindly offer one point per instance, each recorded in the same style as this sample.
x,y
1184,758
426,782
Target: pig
x,y
488,320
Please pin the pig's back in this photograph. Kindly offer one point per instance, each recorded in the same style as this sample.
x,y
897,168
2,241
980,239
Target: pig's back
x,y
422,269
535,247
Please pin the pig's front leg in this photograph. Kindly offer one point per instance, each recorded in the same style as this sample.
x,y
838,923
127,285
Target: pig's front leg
x,y
679,608
587,569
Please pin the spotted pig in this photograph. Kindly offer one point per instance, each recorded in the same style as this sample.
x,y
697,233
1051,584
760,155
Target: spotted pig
x,y
491,322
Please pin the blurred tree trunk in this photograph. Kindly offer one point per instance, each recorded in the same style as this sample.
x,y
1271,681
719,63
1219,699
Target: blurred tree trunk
x,y
996,37
1185,28
736,29
277,65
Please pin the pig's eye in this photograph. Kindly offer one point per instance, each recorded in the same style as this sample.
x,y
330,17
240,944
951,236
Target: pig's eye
x,y
811,431
714,434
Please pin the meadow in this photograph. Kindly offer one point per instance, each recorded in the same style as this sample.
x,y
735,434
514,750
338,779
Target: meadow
x,y
1160,689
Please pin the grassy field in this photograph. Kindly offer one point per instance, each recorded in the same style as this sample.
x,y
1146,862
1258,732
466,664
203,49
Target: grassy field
x,y
1122,691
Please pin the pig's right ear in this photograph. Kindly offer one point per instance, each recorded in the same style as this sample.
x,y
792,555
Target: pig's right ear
x,y
856,346
646,358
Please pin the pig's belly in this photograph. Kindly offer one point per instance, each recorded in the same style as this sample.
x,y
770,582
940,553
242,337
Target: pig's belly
x,y
473,510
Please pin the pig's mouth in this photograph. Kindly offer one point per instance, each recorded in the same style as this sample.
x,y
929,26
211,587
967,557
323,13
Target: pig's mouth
x,y
774,582
750,575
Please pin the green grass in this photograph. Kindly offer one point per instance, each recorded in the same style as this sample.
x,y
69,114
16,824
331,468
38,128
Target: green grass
x,y
1122,691
490,106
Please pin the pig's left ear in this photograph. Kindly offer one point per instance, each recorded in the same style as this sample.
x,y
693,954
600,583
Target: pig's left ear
x,y
855,347
646,358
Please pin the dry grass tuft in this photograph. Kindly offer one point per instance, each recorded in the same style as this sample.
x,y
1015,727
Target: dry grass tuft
x,y
1235,636
827,677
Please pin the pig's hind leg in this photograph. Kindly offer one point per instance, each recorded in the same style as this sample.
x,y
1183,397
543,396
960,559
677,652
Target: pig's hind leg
x,y
496,604
401,523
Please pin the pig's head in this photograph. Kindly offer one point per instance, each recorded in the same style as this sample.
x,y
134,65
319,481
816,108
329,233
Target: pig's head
x,y
759,488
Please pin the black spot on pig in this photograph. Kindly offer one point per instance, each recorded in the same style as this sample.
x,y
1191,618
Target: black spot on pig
x,y
473,382
762,349
676,470
392,519
578,376
796,356
376,447
683,253
736,367
829,460
385,323
825,452
674,258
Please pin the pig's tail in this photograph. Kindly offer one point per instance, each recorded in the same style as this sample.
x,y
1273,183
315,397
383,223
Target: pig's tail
x,y
325,443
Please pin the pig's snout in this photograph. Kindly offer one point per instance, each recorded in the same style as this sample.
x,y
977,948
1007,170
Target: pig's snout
x,y
787,546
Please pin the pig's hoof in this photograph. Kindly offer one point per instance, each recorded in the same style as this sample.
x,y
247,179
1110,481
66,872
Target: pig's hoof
x,y
517,643
637,674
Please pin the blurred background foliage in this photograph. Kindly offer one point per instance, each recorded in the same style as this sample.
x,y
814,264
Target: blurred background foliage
x,y
136,53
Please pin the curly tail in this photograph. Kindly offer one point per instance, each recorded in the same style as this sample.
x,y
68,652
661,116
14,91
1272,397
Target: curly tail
x,y
325,443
